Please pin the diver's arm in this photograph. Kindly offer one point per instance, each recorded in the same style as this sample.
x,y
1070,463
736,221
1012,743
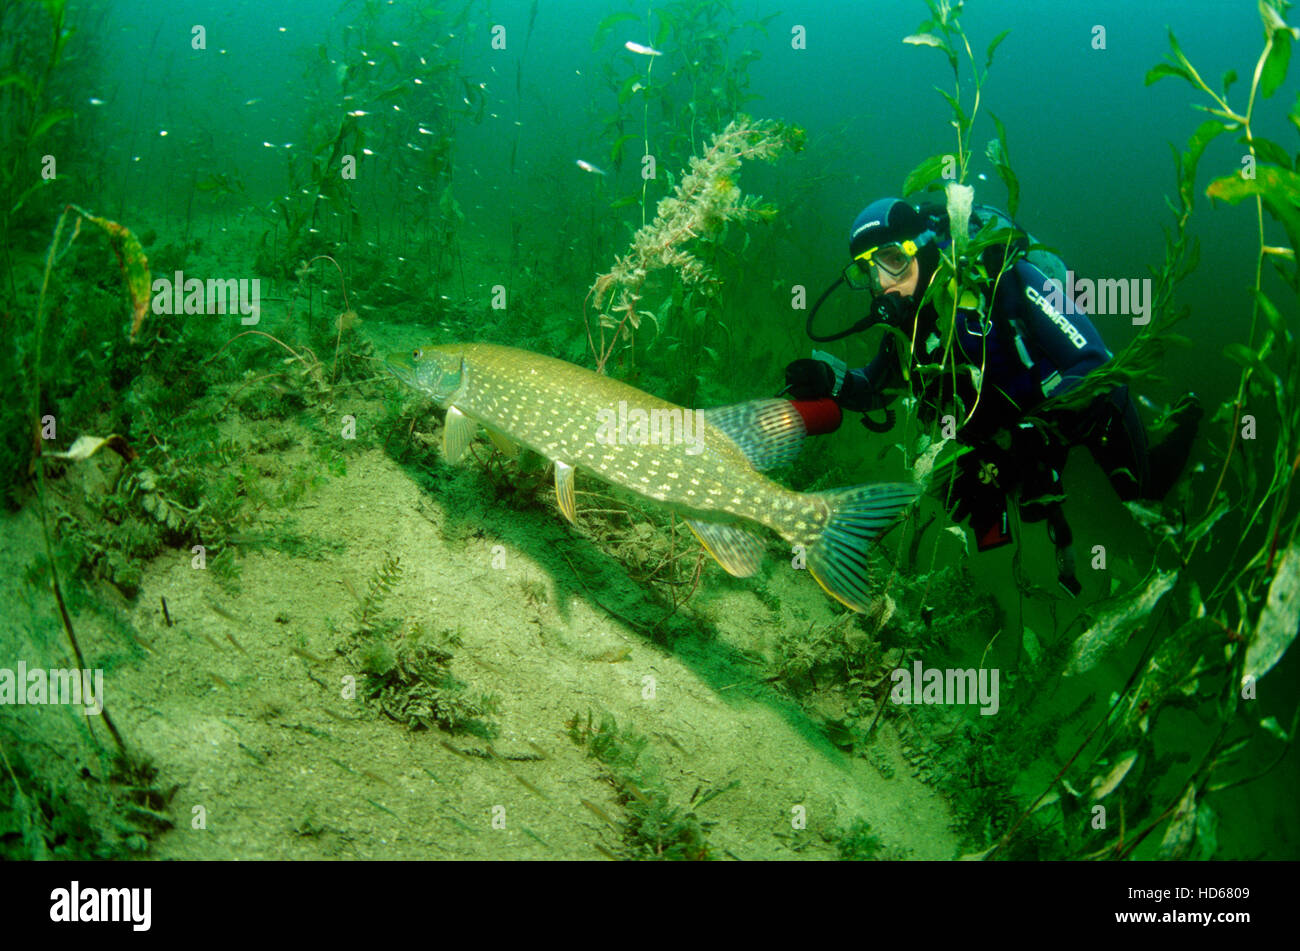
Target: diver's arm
x,y
864,388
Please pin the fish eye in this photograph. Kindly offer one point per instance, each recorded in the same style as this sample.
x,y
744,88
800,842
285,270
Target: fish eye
x,y
415,354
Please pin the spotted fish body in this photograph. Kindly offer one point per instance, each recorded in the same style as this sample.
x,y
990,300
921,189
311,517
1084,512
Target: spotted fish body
x,y
703,465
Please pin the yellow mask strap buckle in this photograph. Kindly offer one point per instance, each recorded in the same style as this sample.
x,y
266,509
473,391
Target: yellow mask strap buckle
x,y
908,247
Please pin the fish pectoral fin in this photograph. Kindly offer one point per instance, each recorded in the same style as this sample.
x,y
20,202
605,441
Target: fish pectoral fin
x,y
738,551
457,433
503,442
564,490
769,432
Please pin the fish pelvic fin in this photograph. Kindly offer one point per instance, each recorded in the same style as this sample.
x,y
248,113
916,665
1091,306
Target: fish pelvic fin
x,y
505,445
837,555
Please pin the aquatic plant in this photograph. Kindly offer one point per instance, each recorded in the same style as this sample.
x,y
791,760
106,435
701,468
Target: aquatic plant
x,y
706,55
425,95
702,202
179,483
45,820
1223,642
840,670
135,269
964,267
382,581
410,680
651,828
858,843
54,822
943,31
36,37
344,321
1270,177
408,674
215,189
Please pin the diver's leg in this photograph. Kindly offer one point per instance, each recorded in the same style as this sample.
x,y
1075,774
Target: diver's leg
x,y
1118,442
1168,457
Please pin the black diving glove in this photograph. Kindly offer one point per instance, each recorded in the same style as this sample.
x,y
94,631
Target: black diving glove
x,y
809,379
980,484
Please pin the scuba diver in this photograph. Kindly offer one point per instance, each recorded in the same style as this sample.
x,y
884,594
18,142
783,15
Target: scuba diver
x,y
1006,365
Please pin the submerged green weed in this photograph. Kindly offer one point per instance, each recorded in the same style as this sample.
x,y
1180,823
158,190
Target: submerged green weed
x,y
858,843
382,581
652,827
45,818
410,680
408,675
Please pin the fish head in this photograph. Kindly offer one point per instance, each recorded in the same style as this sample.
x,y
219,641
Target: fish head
x,y
434,371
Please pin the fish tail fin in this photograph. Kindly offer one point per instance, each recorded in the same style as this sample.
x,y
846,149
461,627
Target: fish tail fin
x,y
837,553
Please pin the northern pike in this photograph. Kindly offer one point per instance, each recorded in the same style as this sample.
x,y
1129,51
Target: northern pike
x,y
702,464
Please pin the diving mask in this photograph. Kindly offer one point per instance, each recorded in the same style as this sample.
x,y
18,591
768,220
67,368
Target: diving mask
x,y
893,259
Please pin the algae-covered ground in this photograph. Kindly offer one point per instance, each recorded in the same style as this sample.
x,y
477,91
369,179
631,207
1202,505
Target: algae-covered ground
x,y
239,693
288,768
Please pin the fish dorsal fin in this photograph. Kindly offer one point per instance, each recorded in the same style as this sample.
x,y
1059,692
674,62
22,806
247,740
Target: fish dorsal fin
x,y
564,490
457,433
769,432
736,550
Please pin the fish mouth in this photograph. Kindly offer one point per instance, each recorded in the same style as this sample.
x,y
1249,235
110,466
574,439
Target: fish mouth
x,y
399,365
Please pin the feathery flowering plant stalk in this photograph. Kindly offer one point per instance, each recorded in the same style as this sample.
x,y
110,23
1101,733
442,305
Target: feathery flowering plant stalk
x,y
706,197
